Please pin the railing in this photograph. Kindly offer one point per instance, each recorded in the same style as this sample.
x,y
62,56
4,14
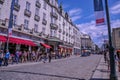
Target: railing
x,y
2,1
54,26
16,7
4,23
44,21
38,4
27,12
37,18
54,14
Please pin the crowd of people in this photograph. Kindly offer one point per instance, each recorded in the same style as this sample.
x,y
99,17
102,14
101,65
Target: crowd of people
x,y
26,56
107,59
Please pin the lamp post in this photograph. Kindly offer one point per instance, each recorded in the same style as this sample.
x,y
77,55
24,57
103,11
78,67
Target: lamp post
x,y
10,22
111,50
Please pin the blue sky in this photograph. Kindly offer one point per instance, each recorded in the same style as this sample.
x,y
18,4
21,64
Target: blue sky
x,y
82,14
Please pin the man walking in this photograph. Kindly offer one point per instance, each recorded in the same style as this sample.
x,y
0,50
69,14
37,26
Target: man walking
x,y
7,55
1,57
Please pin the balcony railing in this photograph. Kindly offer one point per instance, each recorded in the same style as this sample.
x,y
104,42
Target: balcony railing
x,y
3,22
44,22
31,31
2,1
38,4
18,27
66,34
63,32
54,15
60,30
37,18
54,26
16,7
27,13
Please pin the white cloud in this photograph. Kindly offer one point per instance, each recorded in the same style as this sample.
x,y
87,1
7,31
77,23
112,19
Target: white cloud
x,y
74,18
97,33
75,14
115,9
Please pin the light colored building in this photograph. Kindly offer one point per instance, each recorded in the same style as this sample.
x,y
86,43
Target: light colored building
x,y
116,38
86,42
39,21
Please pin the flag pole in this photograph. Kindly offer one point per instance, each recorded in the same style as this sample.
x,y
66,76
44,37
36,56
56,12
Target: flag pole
x,y
111,49
10,23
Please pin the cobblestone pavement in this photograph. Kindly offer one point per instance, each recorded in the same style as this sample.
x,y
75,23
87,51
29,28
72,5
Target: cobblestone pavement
x,y
77,68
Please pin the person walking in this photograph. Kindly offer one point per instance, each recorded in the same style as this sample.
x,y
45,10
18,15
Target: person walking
x,y
17,56
49,56
6,57
1,57
108,59
104,56
118,59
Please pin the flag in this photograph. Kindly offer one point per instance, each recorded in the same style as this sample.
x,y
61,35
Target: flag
x,y
99,12
9,32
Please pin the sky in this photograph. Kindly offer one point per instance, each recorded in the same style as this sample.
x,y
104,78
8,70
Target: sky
x,y
82,14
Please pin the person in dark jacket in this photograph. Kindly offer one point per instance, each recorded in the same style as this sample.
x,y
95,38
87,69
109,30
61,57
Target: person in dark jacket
x,y
6,57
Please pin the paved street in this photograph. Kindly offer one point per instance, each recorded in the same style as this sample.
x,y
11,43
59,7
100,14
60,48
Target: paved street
x,y
73,68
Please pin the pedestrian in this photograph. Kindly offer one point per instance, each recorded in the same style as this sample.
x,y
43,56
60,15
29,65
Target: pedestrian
x,y
17,56
44,57
6,57
118,59
104,56
108,59
49,56
1,57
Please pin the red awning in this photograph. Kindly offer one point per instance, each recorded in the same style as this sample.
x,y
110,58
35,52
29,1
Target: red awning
x,y
45,45
3,38
21,41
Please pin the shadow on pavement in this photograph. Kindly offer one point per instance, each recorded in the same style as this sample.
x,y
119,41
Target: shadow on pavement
x,y
43,74
98,79
103,70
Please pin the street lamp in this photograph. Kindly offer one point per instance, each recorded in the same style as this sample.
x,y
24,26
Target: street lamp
x,y
111,50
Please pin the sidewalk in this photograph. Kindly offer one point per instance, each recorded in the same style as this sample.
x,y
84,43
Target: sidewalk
x,y
39,62
102,72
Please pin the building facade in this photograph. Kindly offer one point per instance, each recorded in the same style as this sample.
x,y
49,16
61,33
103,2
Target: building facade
x,y
41,22
116,38
86,43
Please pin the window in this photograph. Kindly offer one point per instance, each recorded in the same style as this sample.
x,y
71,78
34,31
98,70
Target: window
x,y
14,19
26,23
44,5
16,1
36,28
37,11
27,5
43,30
44,16
0,11
59,18
119,33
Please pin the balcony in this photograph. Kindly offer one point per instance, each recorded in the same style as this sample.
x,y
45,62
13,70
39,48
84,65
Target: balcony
x,y
31,31
53,14
27,13
66,34
16,7
60,30
37,18
44,22
38,4
47,1
54,26
63,32
18,27
2,1
3,22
